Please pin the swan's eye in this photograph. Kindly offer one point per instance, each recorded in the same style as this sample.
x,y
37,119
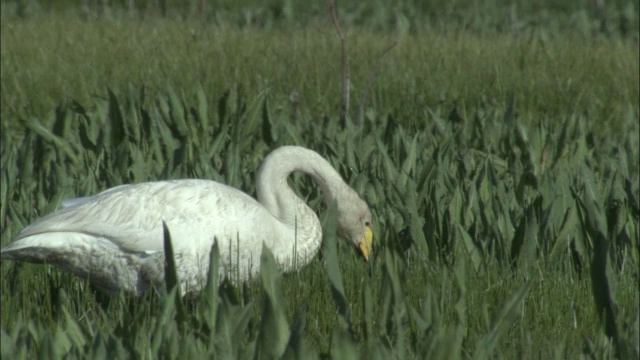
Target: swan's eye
x,y
367,224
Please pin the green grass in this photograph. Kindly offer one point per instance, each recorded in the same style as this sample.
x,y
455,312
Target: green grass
x,y
499,168
59,58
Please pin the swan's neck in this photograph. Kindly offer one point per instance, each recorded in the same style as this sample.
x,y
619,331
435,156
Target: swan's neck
x,y
282,202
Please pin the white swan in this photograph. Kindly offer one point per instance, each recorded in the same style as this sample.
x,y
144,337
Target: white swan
x,y
115,238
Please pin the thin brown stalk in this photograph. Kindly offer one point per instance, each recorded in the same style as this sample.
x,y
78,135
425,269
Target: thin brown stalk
x,y
344,111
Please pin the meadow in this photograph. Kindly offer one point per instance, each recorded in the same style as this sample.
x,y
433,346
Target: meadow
x,y
498,147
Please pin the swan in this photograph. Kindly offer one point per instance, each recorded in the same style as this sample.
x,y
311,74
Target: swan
x,y
115,238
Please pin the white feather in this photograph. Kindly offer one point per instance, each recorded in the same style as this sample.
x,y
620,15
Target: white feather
x,y
115,237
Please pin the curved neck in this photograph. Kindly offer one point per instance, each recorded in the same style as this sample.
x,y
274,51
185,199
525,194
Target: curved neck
x,y
274,192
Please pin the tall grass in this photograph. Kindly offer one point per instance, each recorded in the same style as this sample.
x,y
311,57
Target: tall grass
x,y
60,58
504,189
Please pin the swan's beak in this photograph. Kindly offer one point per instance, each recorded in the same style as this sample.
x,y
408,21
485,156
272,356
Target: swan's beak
x,y
366,242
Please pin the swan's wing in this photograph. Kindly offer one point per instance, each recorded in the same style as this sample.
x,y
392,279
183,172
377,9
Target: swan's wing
x,y
131,215
85,199
75,201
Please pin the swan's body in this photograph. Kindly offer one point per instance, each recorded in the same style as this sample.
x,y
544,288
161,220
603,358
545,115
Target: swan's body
x,y
115,238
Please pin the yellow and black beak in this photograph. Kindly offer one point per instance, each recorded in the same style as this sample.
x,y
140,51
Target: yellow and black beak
x,y
365,244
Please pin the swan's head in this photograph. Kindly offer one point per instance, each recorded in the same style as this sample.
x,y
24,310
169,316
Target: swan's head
x,y
355,224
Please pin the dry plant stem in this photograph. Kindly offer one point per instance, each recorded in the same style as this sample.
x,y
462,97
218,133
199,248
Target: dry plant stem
x,y
164,4
373,74
202,8
344,111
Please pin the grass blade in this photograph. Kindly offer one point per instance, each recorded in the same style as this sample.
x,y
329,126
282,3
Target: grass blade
x,y
172,282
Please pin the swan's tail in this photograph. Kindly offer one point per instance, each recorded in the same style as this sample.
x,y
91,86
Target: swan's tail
x,y
87,256
38,248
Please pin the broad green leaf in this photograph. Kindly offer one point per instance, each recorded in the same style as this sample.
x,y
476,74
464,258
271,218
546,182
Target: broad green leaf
x,y
203,110
502,321
43,132
213,282
472,248
267,132
274,329
177,118
172,283
341,345
116,122
330,254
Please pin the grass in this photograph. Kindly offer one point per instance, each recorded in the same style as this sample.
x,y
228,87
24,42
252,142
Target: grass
x,y
548,77
500,167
